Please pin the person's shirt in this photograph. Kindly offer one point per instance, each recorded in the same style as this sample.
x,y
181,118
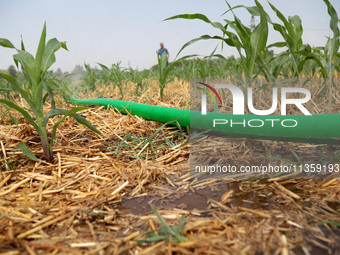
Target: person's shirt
x,y
161,51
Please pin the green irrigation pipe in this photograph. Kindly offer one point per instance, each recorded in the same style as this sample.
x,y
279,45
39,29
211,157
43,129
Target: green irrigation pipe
x,y
318,128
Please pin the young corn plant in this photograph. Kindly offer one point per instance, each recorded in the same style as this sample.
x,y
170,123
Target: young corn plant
x,y
203,70
34,70
89,78
326,57
291,31
114,75
119,75
163,73
138,78
249,43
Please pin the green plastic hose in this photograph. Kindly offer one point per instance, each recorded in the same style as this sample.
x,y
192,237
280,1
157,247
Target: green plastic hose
x,y
318,128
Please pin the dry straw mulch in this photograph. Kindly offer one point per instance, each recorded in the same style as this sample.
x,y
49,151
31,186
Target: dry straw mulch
x,y
94,198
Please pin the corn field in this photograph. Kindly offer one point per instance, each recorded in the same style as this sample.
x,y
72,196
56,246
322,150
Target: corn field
x,y
92,180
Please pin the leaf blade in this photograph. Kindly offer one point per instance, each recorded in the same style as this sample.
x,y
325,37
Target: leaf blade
x,y
27,151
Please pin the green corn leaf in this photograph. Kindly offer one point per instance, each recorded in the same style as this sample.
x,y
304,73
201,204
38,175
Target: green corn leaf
x,y
297,27
234,42
27,64
277,44
49,57
77,117
67,113
104,67
279,65
330,51
27,151
316,58
17,87
202,70
253,10
87,68
26,115
45,99
231,9
197,16
287,25
168,69
291,31
162,63
242,31
6,43
22,44
260,35
334,18
63,45
50,94
55,112
40,51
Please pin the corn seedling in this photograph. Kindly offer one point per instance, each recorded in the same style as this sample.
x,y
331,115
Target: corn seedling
x,y
89,78
291,32
138,78
163,73
164,69
114,75
326,57
34,69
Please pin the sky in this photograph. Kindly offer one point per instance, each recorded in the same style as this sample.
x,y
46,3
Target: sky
x,y
112,31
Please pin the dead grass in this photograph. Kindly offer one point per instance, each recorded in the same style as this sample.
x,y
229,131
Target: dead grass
x,y
76,205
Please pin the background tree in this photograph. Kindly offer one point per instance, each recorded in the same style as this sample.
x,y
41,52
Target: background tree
x,y
12,71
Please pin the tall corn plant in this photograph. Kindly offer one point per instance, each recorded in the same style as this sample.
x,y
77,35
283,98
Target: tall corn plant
x,y
291,31
163,73
326,57
249,43
34,70
163,69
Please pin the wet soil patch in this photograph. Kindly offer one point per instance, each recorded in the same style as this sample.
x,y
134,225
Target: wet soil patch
x,y
195,199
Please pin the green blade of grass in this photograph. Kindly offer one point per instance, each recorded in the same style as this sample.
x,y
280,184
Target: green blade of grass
x,y
334,223
168,229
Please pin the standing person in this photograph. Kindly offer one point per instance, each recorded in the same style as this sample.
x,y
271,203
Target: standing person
x,y
163,50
